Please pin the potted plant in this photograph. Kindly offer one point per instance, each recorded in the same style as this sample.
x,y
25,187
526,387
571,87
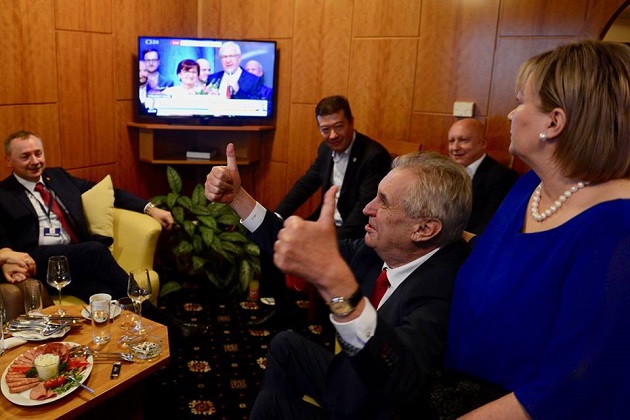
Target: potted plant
x,y
208,239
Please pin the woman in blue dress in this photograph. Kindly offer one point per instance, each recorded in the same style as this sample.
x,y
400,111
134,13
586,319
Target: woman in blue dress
x,y
542,305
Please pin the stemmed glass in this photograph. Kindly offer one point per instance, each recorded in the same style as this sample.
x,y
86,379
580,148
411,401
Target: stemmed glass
x,y
128,319
58,276
139,290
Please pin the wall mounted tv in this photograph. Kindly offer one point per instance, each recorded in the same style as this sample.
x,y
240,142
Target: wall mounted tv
x,y
206,81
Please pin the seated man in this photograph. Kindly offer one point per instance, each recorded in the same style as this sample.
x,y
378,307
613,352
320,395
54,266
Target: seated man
x,y
392,342
41,214
491,181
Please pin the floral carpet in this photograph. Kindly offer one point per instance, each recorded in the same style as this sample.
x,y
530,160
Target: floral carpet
x,y
218,374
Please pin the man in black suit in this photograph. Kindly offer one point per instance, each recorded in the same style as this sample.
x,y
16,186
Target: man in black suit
x,y
233,81
491,181
28,223
391,347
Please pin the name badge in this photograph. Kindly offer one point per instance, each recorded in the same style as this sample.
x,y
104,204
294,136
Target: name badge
x,y
55,232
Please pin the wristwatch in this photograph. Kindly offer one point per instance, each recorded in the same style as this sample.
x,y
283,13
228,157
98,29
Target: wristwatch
x,y
148,207
343,306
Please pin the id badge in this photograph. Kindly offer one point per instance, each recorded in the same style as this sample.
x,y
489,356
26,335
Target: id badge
x,y
54,232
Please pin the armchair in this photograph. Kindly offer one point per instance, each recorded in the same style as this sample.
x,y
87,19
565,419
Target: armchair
x,y
135,240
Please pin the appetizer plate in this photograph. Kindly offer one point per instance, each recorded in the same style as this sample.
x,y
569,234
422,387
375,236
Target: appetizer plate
x,y
22,398
33,336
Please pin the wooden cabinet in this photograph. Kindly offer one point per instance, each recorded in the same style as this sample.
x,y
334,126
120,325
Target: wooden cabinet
x,y
168,144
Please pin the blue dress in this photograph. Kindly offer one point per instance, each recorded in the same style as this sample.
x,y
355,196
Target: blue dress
x,y
547,314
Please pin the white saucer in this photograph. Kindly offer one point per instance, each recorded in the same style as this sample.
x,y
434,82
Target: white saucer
x,y
115,310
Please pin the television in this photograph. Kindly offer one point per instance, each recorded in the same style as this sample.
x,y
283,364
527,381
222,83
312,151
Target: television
x,y
203,81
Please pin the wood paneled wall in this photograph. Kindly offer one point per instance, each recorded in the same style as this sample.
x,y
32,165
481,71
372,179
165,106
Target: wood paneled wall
x,y
67,71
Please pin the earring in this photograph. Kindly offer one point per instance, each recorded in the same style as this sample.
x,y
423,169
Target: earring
x,y
542,137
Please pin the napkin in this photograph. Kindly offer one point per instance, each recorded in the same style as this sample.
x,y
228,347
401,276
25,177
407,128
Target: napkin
x,y
11,342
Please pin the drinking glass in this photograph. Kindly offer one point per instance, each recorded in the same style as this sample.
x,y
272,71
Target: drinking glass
x,y
139,290
128,319
58,276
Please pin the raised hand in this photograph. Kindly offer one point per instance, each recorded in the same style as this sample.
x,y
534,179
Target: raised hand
x,y
309,250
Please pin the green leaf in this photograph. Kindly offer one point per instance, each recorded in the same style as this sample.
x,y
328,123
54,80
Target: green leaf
x,y
233,237
216,245
178,215
200,210
209,221
246,274
185,202
207,235
216,209
159,200
197,244
169,287
198,263
228,220
232,248
252,249
184,247
199,196
189,227
171,199
174,180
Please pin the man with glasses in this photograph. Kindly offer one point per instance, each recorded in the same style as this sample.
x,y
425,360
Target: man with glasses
x,y
155,81
345,158
233,82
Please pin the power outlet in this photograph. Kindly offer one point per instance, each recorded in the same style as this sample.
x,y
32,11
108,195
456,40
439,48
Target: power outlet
x,y
463,109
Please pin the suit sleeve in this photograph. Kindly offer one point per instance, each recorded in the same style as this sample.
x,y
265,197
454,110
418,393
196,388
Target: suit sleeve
x,y
495,192
377,167
304,187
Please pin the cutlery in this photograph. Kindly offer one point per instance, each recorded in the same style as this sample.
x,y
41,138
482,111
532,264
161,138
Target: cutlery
x,y
78,351
87,388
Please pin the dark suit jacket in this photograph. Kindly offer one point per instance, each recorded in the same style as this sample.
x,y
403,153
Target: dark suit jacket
x,y
491,183
369,162
391,372
19,226
248,84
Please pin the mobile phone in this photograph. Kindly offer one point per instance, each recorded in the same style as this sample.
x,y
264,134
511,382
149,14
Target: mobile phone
x,y
115,370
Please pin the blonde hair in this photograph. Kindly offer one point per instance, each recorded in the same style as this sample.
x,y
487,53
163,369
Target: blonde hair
x,y
590,81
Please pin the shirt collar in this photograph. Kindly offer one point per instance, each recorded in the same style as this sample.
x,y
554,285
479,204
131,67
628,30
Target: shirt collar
x,y
29,185
472,168
398,275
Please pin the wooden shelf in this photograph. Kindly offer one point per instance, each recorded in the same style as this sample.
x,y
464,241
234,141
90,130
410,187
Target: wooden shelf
x,y
166,144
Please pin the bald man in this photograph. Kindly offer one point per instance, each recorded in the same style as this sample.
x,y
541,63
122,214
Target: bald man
x,y
254,67
204,70
491,181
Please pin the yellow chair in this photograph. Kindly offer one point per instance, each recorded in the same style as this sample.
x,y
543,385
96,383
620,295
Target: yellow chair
x,y
135,240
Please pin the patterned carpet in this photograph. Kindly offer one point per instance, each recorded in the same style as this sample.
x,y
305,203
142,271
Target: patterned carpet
x,y
218,375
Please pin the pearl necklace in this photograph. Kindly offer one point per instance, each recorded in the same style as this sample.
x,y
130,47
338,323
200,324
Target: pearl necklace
x,y
555,206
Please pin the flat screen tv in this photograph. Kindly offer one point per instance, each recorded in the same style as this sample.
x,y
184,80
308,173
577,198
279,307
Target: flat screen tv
x,y
206,81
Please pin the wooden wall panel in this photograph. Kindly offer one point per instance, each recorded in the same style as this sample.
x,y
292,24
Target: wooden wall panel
x,y
374,18
381,86
455,54
84,15
542,17
321,49
267,177
511,53
431,131
27,56
86,99
254,19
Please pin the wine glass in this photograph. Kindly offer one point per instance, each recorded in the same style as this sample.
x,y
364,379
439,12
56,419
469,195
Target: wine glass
x,y
139,290
58,276
128,319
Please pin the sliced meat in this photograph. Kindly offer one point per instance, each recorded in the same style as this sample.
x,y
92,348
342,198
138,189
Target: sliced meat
x,y
21,388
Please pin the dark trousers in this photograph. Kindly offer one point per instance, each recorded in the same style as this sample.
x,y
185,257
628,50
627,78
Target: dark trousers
x,y
295,366
92,268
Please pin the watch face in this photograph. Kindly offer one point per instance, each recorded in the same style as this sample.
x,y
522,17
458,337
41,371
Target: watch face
x,y
340,307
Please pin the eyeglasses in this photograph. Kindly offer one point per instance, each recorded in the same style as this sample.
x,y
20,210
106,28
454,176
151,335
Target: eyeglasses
x,y
151,60
230,56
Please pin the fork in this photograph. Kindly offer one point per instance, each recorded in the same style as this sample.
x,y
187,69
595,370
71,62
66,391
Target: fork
x,y
85,351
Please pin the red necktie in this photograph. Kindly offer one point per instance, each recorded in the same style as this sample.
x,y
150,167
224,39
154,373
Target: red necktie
x,y
382,283
53,205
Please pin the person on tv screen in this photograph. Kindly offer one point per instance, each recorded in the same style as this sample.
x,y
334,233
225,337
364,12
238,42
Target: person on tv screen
x,y
188,74
254,67
157,82
143,77
233,82
204,70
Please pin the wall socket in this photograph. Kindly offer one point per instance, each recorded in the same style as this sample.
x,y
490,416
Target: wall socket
x,y
463,109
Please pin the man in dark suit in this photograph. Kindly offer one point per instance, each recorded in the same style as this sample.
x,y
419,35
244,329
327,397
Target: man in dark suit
x,y
392,345
28,223
491,181
345,158
233,81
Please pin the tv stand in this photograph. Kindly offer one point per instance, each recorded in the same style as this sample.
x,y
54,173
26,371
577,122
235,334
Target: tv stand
x,y
167,144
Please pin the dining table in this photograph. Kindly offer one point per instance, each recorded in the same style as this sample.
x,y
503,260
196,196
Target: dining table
x,y
80,402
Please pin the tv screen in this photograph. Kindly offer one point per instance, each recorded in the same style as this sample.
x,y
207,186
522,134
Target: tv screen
x,y
206,81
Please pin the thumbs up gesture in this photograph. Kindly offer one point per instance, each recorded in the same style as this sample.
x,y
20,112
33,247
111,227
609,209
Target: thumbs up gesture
x,y
308,249
223,185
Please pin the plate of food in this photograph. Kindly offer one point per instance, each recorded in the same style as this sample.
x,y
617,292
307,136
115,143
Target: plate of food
x,y
35,336
44,374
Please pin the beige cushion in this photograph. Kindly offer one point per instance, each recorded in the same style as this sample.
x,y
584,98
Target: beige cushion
x,y
98,207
